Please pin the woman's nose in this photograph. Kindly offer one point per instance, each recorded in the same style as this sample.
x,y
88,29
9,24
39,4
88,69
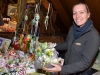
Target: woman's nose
x,y
77,15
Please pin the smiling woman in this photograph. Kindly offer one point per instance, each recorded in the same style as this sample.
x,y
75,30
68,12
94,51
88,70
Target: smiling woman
x,y
82,44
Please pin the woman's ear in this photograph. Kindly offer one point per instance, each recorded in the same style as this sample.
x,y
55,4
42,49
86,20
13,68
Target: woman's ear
x,y
89,15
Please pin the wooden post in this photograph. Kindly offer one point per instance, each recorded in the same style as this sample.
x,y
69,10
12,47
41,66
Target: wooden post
x,y
21,6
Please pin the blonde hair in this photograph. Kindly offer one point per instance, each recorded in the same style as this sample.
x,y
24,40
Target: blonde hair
x,y
87,8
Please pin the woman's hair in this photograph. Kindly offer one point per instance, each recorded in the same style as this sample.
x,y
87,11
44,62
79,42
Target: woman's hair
x,y
87,8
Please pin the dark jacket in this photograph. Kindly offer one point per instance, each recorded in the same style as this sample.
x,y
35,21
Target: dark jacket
x,y
80,52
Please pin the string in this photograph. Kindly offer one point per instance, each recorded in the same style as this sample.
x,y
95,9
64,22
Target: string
x,y
35,8
39,4
51,21
48,9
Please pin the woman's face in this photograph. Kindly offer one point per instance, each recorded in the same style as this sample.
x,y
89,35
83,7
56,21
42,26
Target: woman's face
x,y
80,14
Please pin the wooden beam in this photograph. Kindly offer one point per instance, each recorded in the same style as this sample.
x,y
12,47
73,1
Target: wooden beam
x,y
45,4
62,13
65,6
83,1
11,1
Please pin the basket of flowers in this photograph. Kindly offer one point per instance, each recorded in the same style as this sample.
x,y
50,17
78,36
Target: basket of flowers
x,y
44,55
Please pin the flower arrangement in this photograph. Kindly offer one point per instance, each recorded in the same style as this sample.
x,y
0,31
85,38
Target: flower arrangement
x,y
96,64
17,63
45,54
98,58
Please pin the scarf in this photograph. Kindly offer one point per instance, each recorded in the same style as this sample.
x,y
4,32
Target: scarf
x,y
79,31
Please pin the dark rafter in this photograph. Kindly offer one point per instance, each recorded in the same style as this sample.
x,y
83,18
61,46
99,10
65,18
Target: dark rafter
x,y
83,1
66,9
61,11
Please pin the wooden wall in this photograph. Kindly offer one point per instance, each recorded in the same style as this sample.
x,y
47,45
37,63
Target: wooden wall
x,y
61,19
64,18
64,9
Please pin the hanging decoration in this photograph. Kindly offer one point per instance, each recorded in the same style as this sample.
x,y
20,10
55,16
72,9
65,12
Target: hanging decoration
x,y
27,54
25,33
35,21
15,42
47,17
14,39
26,19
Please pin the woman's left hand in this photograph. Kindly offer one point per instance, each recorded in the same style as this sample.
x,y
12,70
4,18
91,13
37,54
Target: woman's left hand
x,y
56,68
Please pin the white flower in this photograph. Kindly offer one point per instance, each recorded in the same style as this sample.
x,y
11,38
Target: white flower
x,y
54,60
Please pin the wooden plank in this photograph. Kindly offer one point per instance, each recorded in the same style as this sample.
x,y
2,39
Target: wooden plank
x,y
65,6
62,13
70,4
94,6
83,1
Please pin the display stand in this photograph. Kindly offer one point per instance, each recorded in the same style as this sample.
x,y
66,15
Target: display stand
x,y
8,35
96,65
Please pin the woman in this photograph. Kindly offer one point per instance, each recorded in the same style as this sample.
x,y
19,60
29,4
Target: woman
x,y
82,44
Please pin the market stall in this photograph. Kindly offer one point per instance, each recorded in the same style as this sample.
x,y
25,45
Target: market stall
x,y
26,52
22,58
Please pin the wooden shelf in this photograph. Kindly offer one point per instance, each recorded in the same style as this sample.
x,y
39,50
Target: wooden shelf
x,y
8,35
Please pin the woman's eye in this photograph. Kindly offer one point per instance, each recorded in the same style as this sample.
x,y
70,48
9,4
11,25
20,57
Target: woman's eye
x,y
74,13
81,12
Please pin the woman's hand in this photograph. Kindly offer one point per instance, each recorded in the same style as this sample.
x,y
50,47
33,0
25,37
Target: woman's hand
x,y
56,68
61,62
